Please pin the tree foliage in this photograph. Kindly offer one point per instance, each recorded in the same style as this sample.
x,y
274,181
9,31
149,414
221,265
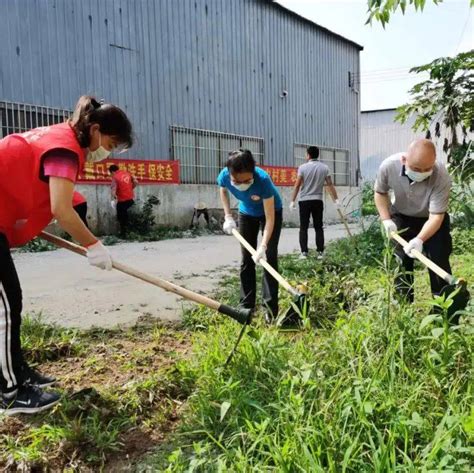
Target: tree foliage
x,y
380,10
445,98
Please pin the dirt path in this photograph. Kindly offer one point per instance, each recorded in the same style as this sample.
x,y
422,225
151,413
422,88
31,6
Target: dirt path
x,y
66,290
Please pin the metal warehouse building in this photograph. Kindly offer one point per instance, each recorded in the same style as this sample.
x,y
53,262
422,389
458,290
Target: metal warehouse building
x,y
197,77
382,136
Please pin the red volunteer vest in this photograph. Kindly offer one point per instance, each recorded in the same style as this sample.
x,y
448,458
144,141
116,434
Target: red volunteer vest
x,y
124,182
25,208
78,199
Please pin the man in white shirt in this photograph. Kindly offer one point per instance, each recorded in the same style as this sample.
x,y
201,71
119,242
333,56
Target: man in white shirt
x,y
312,176
421,187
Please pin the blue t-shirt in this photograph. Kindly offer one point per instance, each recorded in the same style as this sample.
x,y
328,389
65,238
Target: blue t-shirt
x,y
251,200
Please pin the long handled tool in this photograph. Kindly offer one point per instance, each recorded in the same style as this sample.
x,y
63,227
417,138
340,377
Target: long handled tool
x,y
343,218
300,302
240,315
461,298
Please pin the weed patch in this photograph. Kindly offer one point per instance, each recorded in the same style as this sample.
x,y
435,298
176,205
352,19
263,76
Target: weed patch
x,y
121,392
379,386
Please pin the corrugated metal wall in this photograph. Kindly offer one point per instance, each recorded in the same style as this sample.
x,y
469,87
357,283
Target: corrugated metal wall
x,y
381,137
211,64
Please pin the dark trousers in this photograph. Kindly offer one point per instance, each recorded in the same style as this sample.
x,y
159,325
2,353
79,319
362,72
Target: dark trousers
x,y
122,215
249,227
81,210
437,248
11,358
308,209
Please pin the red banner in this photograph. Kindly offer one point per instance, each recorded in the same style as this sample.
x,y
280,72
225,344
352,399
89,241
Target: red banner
x,y
281,176
146,171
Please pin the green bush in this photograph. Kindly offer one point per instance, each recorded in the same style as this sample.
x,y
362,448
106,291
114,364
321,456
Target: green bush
x,y
368,204
142,221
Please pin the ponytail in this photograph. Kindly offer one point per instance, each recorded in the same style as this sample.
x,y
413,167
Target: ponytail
x,y
110,118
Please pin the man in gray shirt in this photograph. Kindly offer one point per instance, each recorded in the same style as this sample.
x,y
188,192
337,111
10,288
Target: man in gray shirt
x,y
421,187
311,179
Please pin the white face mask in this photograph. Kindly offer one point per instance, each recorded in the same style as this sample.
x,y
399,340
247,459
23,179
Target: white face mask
x,y
417,176
243,187
99,154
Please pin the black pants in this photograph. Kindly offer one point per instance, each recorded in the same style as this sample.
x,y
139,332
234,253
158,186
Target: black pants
x,y
81,209
122,215
308,209
249,227
437,248
11,358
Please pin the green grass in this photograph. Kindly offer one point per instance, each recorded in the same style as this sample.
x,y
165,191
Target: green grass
x,y
369,386
119,387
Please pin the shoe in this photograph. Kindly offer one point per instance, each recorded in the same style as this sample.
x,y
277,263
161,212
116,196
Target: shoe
x,y
303,255
28,400
32,377
320,255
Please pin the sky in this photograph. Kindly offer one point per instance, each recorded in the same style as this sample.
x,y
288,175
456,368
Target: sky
x,y
408,40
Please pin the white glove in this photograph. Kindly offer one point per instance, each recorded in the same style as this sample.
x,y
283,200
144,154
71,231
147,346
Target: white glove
x,y
414,244
292,205
113,204
98,255
389,226
337,204
260,254
229,224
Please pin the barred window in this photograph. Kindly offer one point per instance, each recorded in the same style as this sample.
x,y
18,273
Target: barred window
x,y
203,153
20,117
336,159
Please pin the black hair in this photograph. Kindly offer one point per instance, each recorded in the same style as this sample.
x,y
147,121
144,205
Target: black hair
x,y
313,152
110,118
240,160
113,168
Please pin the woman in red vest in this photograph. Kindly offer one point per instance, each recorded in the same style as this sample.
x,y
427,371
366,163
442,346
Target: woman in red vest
x,y
123,185
38,170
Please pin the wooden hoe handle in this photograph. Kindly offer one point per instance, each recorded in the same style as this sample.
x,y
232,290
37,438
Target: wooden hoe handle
x,y
426,261
241,315
264,263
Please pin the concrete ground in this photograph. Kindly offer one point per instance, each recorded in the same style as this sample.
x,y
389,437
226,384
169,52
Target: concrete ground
x,y
65,289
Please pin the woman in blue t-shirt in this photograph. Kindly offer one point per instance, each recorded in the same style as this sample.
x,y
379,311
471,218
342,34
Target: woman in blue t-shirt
x,y
260,207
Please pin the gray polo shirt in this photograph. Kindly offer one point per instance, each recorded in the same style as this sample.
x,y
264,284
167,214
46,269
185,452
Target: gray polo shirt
x,y
314,175
415,199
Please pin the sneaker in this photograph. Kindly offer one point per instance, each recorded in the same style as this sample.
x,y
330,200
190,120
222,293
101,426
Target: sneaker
x,y
303,255
33,377
319,255
28,400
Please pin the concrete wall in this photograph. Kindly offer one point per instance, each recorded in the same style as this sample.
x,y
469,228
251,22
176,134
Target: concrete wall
x,y
177,203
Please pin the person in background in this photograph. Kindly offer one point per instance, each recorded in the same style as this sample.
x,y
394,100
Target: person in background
x,y
260,208
421,187
123,185
38,170
79,204
312,176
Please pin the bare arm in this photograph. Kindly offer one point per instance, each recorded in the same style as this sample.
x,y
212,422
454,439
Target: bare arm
x,y
382,203
431,226
225,200
296,188
134,182
330,188
269,207
60,192
113,189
